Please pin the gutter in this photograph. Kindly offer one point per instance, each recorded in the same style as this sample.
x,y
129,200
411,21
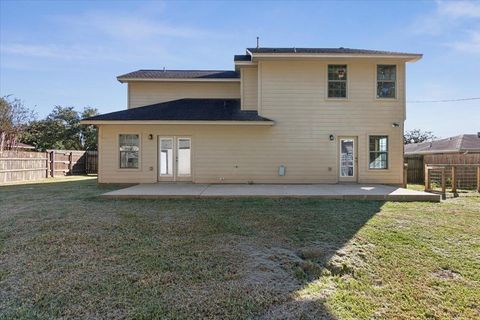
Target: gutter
x,y
179,122
123,80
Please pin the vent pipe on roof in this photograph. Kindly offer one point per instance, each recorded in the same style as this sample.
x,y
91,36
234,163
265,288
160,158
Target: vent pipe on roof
x,y
478,134
258,42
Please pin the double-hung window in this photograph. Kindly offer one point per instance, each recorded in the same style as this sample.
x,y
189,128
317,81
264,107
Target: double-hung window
x,y
386,81
337,81
378,150
129,147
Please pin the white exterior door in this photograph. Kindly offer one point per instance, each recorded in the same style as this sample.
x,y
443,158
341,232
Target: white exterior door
x,y
347,159
174,159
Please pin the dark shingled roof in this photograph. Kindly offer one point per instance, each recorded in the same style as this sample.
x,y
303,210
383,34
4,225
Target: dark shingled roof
x,y
186,110
340,50
180,74
461,143
242,57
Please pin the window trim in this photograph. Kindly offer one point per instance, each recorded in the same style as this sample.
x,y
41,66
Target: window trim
x,y
376,82
368,151
347,82
139,168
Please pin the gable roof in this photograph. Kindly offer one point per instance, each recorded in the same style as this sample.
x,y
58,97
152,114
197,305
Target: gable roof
x,y
348,52
460,143
322,50
184,110
242,57
146,75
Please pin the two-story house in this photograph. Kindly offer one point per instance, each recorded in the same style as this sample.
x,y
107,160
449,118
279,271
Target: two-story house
x,y
284,115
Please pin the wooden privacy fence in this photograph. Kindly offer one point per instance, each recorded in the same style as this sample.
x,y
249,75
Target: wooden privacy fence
x,y
414,168
24,166
443,176
466,174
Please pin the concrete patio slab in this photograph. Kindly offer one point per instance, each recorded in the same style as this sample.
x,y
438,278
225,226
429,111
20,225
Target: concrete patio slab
x,y
323,191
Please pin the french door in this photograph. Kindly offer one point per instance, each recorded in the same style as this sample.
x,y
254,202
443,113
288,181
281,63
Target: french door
x,y
174,159
348,159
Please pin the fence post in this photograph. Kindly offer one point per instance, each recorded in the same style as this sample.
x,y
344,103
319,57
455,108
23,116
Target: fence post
x,y
47,164
405,174
70,163
427,178
443,183
478,178
454,178
52,164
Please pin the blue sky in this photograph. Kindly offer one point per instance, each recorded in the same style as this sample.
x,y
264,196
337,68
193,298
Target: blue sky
x,y
69,52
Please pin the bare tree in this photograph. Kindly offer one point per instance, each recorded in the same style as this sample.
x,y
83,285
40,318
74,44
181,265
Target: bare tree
x,y
14,117
417,136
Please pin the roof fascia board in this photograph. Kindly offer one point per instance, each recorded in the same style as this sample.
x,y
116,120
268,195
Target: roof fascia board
x,y
246,63
408,57
435,151
123,80
182,122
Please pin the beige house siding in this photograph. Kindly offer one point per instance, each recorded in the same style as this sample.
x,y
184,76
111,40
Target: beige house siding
x,y
293,94
143,93
249,76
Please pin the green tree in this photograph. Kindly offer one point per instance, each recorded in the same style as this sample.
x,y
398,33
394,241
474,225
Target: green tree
x,y
417,136
61,129
89,132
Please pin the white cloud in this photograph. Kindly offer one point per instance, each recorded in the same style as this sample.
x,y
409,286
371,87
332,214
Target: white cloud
x,y
459,9
457,22
101,36
470,45
446,16
54,51
128,26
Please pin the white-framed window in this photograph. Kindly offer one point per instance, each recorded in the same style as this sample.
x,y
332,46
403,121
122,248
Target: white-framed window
x,y
386,81
129,147
378,152
337,81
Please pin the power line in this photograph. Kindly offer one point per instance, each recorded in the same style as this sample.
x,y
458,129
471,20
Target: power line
x,y
446,100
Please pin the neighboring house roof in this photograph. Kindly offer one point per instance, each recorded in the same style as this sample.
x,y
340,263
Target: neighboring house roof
x,y
156,75
19,145
184,110
460,143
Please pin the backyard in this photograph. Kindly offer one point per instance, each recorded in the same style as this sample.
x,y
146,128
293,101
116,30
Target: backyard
x,y
65,253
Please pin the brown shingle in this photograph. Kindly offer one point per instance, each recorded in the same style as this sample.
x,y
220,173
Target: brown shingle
x,y
180,74
460,143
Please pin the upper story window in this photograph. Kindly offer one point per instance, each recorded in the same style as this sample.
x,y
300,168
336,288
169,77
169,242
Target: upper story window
x,y
337,81
386,81
129,148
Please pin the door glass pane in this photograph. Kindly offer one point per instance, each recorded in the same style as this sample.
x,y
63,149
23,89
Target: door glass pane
x,y
346,158
184,151
166,157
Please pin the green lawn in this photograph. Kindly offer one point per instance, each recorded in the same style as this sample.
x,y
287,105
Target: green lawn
x,y
66,253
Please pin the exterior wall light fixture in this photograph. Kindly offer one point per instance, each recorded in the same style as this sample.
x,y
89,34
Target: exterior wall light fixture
x,y
332,137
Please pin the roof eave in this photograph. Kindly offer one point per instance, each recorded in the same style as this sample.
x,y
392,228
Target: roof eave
x,y
126,80
407,57
180,122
